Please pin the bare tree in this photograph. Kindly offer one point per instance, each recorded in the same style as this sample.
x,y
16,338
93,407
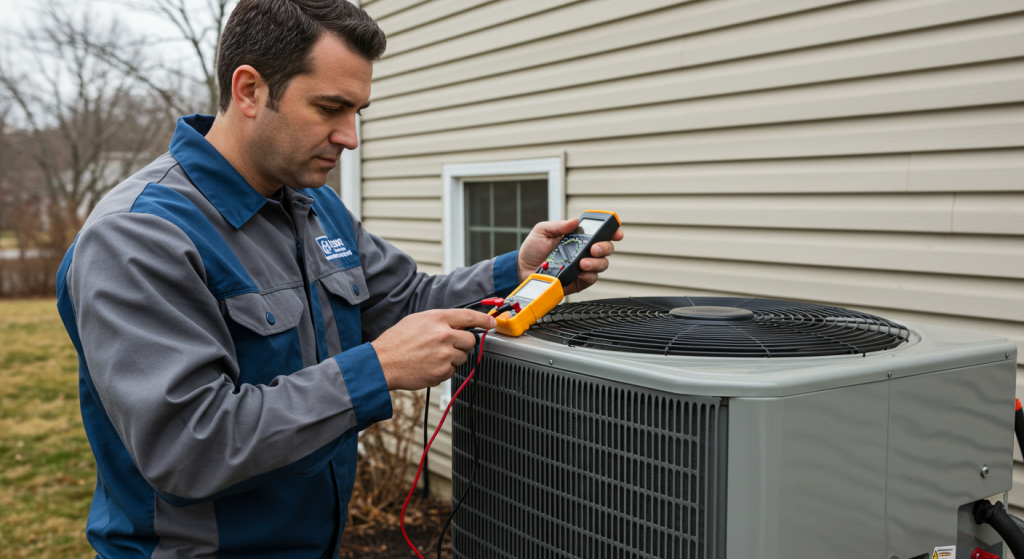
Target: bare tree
x,y
201,29
86,125
6,188
199,24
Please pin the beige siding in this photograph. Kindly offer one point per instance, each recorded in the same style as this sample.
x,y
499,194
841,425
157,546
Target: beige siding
x,y
866,154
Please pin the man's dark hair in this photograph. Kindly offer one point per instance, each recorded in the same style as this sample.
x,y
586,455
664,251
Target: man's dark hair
x,y
276,37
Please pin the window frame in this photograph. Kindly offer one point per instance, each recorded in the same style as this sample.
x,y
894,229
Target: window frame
x,y
453,195
453,201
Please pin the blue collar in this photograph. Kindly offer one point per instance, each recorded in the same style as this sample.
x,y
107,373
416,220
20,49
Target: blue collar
x,y
222,185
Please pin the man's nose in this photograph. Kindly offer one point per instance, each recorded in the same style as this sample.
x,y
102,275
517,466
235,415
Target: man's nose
x,y
346,134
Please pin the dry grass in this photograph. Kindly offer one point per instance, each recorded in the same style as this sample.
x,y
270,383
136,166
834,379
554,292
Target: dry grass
x,y
47,472
8,240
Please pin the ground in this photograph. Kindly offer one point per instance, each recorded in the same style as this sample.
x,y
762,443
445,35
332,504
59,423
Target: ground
x,y
388,543
47,472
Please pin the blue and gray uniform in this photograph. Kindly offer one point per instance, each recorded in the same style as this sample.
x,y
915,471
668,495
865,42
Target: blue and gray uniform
x,y
224,369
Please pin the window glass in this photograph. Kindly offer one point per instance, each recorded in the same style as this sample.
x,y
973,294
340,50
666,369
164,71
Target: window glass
x,y
534,195
478,204
505,200
499,215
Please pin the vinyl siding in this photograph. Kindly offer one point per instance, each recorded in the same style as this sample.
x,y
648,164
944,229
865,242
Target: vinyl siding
x,y
864,154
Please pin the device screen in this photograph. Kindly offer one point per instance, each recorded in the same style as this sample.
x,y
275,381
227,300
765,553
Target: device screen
x,y
532,289
590,226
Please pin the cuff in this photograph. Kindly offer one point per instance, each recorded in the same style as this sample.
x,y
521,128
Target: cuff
x,y
506,273
367,389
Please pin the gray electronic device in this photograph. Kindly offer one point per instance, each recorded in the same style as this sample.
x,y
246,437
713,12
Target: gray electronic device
x,y
699,427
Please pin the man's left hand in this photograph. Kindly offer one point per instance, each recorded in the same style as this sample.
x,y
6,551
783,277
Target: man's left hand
x,y
544,238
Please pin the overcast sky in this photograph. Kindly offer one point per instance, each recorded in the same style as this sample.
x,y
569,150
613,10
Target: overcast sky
x,y
19,15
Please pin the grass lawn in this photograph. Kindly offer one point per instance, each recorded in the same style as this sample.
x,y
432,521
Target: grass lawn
x,y
47,472
8,240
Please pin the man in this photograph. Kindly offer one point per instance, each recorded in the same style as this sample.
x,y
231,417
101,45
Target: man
x,y
237,327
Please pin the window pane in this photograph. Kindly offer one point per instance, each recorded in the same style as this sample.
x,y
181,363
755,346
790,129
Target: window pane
x,y
478,203
504,242
534,196
505,204
498,217
478,248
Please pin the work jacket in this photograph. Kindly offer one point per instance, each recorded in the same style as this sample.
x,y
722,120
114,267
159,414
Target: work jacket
x,y
225,368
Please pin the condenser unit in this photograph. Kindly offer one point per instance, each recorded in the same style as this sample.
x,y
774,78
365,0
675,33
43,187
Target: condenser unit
x,y
699,427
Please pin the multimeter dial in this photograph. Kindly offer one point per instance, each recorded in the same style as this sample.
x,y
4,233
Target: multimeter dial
x,y
567,250
564,262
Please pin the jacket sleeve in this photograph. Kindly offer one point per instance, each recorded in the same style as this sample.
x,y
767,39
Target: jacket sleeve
x,y
397,289
163,365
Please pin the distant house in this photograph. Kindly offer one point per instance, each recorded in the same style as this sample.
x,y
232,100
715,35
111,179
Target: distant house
x,y
863,154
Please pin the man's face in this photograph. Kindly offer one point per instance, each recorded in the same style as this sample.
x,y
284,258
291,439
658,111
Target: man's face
x,y
300,142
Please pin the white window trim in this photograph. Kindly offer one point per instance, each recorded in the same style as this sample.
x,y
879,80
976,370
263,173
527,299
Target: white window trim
x,y
453,200
352,172
352,168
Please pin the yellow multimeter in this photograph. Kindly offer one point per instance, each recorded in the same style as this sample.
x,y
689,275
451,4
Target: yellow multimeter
x,y
542,291
533,299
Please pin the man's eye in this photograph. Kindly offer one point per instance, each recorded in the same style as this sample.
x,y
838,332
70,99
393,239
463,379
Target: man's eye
x,y
330,110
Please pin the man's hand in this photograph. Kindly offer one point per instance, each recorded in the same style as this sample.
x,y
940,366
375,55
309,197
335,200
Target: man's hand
x,y
424,349
544,238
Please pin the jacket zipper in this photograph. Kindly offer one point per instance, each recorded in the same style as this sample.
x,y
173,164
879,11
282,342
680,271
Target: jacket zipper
x,y
305,281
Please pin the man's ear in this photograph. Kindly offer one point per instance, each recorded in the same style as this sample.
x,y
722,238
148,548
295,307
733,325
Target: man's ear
x,y
248,90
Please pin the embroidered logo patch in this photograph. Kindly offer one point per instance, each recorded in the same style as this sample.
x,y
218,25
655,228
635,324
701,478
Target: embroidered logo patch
x,y
333,248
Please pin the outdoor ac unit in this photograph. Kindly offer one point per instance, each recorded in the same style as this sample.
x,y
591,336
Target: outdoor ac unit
x,y
699,427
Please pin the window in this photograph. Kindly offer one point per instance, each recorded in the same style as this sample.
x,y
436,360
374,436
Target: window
x,y
490,207
499,215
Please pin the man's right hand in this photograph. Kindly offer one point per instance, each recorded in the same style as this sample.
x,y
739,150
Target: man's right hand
x,y
424,349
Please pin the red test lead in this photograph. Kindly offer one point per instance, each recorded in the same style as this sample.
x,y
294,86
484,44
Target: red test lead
x,y
419,470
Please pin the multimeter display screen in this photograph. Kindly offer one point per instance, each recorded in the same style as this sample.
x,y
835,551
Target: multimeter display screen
x,y
590,226
532,290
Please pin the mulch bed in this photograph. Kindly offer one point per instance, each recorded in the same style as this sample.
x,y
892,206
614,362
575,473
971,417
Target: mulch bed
x,y
423,523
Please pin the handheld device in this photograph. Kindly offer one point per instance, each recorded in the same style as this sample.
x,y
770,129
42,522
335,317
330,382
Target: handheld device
x,y
542,291
564,262
533,299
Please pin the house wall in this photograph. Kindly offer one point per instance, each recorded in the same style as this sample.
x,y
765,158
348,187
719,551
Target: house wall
x,y
863,154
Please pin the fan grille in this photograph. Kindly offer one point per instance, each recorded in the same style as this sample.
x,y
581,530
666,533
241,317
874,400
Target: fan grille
x,y
777,328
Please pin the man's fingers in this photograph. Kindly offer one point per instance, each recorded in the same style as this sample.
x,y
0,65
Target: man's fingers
x,y
585,280
602,249
554,229
459,359
582,281
594,264
463,341
465,318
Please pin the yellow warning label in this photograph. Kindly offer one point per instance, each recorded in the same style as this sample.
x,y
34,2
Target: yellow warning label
x,y
944,552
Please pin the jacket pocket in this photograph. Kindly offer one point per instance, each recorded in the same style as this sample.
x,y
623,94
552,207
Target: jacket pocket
x,y
263,329
345,290
266,314
349,285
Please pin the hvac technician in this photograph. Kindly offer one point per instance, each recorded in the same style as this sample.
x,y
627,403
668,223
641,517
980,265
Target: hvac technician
x,y
221,318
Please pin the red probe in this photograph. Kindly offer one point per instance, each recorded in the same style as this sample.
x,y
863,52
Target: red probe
x,y
479,355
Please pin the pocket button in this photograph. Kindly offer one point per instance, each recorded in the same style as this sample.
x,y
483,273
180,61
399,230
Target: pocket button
x,y
270,318
355,288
